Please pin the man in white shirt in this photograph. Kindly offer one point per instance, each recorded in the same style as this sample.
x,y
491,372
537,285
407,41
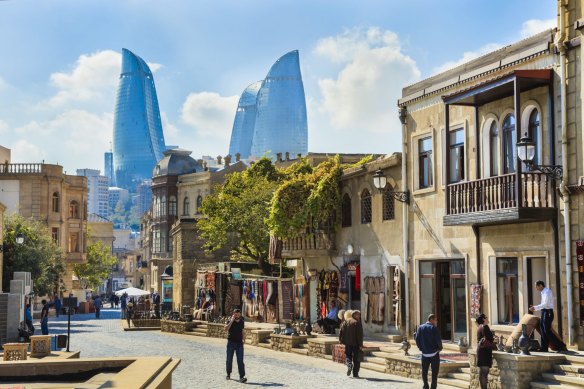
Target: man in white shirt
x,y
547,317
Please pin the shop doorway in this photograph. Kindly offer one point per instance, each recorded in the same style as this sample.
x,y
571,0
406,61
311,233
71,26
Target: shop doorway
x,y
443,292
536,270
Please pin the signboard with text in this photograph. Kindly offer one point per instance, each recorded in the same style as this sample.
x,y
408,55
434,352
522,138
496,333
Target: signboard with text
x,y
580,262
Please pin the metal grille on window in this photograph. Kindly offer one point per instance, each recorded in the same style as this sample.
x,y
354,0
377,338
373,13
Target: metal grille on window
x,y
388,204
365,207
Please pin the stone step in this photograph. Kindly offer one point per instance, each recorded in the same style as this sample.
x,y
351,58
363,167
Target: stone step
x,y
564,379
391,349
301,351
192,333
454,382
200,331
376,360
381,354
576,359
302,346
202,326
552,385
329,357
465,370
265,345
569,369
460,376
373,366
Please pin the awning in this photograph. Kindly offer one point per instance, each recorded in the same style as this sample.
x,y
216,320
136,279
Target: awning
x,y
500,87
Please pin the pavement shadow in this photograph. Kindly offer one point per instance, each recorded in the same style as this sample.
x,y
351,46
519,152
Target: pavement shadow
x,y
266,384
383,380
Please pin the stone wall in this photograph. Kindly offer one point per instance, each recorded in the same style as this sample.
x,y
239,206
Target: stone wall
x,y
146,322
514,370
320,347
287,342
412,368
177,327
217,330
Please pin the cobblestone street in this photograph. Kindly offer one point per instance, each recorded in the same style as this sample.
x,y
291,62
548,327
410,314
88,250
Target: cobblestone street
x,y
203,359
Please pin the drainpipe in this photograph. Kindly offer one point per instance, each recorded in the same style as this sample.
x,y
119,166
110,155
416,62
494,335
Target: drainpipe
x,y
559,41
403,113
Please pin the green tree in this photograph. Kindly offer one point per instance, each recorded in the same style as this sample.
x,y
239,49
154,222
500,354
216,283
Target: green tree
x,y
98,266
38,254
236,213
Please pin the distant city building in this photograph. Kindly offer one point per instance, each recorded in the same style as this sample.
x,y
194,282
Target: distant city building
x,y
108,167
271,114
115,195
143,198
97,191
138,138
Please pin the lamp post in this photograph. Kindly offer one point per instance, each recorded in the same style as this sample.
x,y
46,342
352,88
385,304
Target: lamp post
x,y
19,238
526,153
380,181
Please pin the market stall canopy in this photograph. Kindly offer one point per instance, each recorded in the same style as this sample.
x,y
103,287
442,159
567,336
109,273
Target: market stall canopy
x,y
132,292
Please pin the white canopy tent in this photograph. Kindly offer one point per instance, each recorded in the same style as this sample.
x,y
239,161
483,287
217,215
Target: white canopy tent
x,y
132,292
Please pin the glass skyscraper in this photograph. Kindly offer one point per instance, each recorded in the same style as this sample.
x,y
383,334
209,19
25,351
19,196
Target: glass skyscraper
x,y
277,122
138,138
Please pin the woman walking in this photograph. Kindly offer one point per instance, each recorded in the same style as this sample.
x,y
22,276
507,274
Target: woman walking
x,y
485,349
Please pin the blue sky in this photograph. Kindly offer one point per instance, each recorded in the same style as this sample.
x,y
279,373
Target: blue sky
x,y
60,60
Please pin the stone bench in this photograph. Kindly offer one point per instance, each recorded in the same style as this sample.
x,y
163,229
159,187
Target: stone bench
x,y
287,342
40,346
259,336
411,366
15,351
321,346
216,330
177,327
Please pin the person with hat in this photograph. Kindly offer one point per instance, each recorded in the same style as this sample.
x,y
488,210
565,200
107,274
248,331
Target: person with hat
x,y
352,338
235,337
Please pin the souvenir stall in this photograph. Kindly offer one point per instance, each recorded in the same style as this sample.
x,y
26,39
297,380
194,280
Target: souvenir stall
x,y
205,296
350,283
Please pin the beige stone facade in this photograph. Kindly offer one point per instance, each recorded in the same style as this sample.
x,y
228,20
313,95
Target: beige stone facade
x,y
45,193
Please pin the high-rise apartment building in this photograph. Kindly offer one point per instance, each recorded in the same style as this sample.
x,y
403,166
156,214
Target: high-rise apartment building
x,y
97,191
108,167
138,138
271,115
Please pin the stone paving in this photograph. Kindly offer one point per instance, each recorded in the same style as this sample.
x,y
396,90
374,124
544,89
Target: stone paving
x,y
203,359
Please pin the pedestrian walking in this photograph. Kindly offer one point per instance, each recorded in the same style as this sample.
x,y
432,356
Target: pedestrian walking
x,y
352,338
430,344
129,313
28,319
156,299
235,336
45,317
58,306
547,317
97,305
123,305
485,348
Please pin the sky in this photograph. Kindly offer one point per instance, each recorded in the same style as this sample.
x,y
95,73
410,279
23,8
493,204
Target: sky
x,y
60,61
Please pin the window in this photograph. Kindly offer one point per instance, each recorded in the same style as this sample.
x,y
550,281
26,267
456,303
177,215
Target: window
x,y
365,207
172,210
388,204
346,211
199,203
74,210
74,242
156,241
55,234
494,149
186,206
163,206
509,144
507,291
157,207
456,156
56,202
425,178
533,132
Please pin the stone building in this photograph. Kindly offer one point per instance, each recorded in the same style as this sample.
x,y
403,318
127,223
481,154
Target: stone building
x,y
44,192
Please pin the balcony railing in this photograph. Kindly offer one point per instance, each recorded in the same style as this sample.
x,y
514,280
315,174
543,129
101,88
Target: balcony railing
x,y
21,168
500,198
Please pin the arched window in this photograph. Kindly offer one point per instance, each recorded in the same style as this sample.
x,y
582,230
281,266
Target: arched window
x,y
509,144
199,203
56,201
346,211
494,148
534,133
388,204
163,206
172,206
186,206
157,207
365,207
74,210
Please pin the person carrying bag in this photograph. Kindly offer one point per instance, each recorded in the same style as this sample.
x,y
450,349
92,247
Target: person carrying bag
x,y
485,349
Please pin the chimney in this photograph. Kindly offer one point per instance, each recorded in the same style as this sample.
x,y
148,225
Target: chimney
x,y
237,157
227,160
278,157
219,160
287,155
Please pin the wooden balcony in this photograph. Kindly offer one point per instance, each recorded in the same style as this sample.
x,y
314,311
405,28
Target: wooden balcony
x,y
501,200
319,244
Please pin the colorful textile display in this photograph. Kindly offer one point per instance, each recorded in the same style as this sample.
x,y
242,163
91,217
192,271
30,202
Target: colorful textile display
x,y
475,299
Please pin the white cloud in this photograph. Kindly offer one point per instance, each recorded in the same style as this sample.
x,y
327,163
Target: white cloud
x,y
25,151
533,26
210,114
467,56
362,97
4,128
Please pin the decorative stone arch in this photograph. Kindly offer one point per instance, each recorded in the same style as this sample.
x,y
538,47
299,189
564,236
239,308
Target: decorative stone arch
x,y
505,113
485,135
526,112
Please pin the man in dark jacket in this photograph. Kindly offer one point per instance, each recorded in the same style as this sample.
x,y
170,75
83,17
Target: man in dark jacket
x,y
353,340
430,344
235,338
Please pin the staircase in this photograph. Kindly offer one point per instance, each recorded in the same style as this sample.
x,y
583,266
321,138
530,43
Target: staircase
x,y
569,375
301,349
458,379
198,330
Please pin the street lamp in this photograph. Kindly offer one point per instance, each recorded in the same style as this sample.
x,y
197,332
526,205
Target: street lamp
x,y
19,238
380,181
526,152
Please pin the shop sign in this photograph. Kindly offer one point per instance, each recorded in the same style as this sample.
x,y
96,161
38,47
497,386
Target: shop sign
x,y
166,291
580,261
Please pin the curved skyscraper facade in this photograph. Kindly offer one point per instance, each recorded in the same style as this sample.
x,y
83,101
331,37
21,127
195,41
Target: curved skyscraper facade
x,y
244,123
280,123
138,138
